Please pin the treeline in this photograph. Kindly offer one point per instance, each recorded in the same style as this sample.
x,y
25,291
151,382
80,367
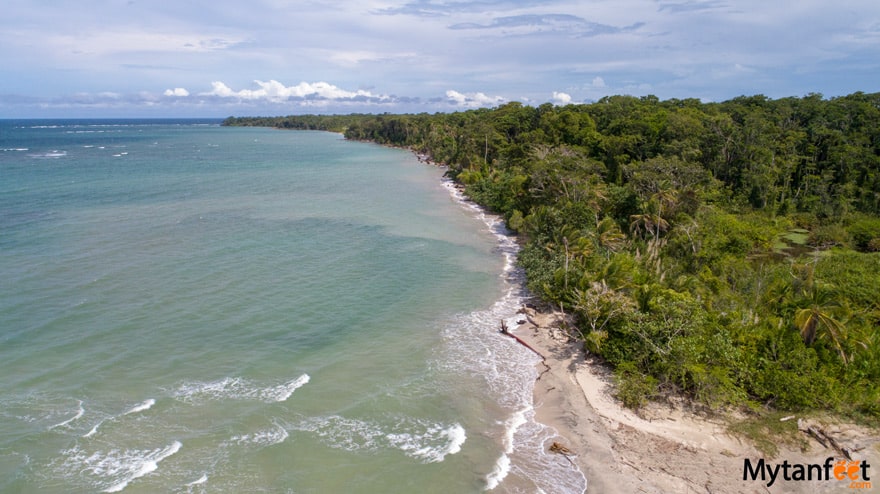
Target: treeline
x,y
329,123
728,251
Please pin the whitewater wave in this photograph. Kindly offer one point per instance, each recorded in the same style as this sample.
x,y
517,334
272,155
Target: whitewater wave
x,y
146,405
267,437
113,470
49,154
509,373
502,466
93,430
79,413
141,407
238,389
425,441
199,481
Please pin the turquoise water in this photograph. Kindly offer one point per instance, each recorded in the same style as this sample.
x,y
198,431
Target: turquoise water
x,y
192,308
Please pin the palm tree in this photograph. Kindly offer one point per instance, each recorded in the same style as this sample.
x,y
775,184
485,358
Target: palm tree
x,y
815,319
609,236
666,197
579,248
817,310
650,221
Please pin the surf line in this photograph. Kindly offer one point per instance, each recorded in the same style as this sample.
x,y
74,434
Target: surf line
x,y
506,331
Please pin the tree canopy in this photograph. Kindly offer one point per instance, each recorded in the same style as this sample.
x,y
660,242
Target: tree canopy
x,y
729,251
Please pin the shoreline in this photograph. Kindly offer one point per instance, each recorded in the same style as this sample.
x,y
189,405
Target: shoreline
x,y
505,476
663,448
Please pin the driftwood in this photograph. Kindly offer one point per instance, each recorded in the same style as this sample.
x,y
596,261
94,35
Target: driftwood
x,y
505,331
824,438
562,450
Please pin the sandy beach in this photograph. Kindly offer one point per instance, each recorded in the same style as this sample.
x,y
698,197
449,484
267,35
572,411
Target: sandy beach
x,y
664,448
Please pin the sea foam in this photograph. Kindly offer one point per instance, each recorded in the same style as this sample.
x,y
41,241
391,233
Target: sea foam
x,y
200,480
509,372
423,440
93,430
140,407
237,388
49,154
268,437
136,467
79,413
433,444
146,405
283,391
113,470
502,466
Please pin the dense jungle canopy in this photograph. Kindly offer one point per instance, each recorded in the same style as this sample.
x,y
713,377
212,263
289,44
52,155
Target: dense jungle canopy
x,y
727,251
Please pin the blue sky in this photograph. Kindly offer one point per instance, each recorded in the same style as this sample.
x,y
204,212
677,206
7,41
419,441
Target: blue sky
x,y
82,58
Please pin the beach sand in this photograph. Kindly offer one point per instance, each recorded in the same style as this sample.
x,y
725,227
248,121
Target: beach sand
x,y
664,448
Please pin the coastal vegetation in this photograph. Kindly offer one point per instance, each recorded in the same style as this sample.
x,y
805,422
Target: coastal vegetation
x,y
726,251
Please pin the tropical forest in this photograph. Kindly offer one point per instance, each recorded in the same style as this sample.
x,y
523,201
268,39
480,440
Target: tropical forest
x,y
727,252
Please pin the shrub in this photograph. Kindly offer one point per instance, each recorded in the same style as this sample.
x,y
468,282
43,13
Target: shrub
x,y
633,387
864,231
825,236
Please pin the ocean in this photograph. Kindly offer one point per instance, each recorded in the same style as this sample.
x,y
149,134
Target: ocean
x,y
190,308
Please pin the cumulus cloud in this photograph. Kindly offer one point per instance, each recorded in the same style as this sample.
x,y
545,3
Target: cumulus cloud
x,y
178,91
598,82
472,100
561,98
275,91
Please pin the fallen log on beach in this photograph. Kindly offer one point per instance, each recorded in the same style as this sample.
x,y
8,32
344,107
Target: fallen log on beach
x,y
505,331
562,450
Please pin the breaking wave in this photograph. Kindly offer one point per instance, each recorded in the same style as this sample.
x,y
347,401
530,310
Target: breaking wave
x,y
238,389
425,441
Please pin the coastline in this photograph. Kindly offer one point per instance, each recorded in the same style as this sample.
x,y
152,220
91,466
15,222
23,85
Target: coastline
x,y
526,433
663,448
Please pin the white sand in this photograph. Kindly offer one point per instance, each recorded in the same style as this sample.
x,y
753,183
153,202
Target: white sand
x,y
662,449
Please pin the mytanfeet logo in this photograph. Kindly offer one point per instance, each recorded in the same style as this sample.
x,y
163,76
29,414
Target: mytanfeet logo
x,y
855,473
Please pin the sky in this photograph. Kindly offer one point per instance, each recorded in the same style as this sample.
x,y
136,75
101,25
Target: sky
x,y
216,58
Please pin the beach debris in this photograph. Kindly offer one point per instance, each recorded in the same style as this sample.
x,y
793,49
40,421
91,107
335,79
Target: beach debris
x,y
824,438
558,448
505,331
562,450
529,313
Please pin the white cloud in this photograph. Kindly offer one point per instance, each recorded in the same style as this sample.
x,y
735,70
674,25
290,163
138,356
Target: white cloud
x,y
561,98
598,82
178,91
275,91
116,42
473,100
